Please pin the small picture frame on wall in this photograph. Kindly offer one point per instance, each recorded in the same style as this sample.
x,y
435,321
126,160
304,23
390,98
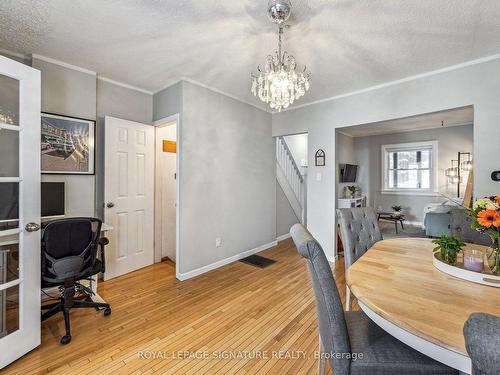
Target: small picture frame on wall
x,y
319,158
67,145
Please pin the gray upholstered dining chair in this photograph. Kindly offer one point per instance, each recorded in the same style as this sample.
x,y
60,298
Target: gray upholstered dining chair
x,y
460,226
359,231
482,341
351,342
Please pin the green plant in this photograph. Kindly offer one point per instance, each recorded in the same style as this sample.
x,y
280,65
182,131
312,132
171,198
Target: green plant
x,y
397,208
449,248
352,188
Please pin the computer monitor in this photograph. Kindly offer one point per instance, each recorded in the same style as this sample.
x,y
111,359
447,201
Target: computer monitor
x,y
53,199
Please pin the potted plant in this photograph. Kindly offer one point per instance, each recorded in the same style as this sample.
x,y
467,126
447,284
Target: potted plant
x,y
397,210
449,247
352,190
485,215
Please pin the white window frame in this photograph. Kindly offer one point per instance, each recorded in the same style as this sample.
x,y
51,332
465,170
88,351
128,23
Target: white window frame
x,y
411,146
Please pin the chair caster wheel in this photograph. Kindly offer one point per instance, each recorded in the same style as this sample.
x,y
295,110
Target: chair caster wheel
x,y
107,311
65,339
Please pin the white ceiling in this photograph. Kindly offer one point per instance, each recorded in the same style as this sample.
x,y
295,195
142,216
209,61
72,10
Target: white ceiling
x,y
347,44
452,117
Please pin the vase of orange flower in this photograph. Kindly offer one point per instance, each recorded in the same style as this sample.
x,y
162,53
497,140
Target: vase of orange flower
x,y
485,215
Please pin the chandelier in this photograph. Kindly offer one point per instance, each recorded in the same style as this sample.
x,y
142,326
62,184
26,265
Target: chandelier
x,y
279,83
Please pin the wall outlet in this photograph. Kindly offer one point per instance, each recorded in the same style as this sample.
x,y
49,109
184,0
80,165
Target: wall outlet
x,y
318,176
218,242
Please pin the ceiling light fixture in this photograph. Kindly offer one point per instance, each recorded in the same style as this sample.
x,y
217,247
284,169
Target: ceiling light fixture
x,y
279,84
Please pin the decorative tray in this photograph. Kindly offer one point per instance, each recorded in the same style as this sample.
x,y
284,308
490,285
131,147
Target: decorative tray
x,y
485,277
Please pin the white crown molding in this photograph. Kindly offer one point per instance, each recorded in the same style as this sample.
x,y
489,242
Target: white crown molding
x,y
339,130
127,86
399,81
63,64
87,71
12,53
192,81
166,86
223,93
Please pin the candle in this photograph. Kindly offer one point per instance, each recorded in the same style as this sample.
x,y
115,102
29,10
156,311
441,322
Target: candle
x,y
473,260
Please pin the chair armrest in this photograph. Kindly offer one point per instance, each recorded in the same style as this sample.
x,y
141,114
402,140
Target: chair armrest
x,y
103,241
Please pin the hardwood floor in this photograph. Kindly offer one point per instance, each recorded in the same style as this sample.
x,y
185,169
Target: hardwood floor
x,y
237,310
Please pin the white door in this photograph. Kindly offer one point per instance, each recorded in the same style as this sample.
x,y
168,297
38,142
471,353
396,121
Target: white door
x,y
165,192
19,210
128,195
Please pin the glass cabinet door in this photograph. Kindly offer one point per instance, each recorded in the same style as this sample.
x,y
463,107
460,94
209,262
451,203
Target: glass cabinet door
x,y
19,206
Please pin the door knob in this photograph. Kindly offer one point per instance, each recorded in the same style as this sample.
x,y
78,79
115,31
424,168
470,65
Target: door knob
x,y
32,227
110,205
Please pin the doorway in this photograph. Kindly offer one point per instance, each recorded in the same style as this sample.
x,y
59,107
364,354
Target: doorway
x,y
291,178
166,197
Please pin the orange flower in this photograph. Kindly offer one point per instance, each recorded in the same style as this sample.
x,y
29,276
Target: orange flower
x,y
497,199
496,222
487,218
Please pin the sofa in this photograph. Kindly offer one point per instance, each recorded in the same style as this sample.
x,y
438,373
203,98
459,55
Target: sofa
x,y
453,221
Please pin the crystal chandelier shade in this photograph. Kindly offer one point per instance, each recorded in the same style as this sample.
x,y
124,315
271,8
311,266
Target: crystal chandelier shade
x,y
279,83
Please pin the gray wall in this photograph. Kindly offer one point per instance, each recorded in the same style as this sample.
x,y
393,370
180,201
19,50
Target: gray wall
x,y
168,102
124,103
227,177
367,151
72,93
285,216
477,85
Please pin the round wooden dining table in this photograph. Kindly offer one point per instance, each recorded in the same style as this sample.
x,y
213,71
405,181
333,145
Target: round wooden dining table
x,y
398,287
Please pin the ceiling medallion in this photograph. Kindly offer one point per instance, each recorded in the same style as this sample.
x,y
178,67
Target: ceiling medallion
x,y
279,84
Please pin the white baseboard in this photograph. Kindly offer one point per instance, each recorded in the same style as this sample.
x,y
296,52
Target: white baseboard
x,y
334,259
283,237
223,262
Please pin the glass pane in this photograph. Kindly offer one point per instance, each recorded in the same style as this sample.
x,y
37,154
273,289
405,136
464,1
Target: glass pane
x,y
409,159
392,160
9,205
9,310
9,153
407,179
9,258
425,159
425,182
406,159
9,100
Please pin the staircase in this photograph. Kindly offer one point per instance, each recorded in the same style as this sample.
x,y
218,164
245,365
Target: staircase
x,y
290,179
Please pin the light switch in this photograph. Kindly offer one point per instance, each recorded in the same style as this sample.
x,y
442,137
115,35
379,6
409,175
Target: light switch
x,y
318,176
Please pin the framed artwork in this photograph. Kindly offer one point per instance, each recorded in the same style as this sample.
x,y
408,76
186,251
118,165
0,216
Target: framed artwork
x,y
67,145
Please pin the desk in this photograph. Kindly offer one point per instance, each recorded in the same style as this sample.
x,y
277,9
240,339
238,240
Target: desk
x,y
398,287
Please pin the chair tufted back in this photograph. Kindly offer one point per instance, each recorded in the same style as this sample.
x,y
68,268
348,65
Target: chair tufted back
x,y
331,320
359,231
460,227
482,341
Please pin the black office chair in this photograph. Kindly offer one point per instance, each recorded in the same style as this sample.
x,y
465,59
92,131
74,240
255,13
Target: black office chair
x,y
69,255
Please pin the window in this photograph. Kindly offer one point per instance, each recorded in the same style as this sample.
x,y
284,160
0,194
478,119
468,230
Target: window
x,y
410,168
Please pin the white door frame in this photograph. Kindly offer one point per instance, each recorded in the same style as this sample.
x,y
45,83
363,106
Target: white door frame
x,y
157,249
